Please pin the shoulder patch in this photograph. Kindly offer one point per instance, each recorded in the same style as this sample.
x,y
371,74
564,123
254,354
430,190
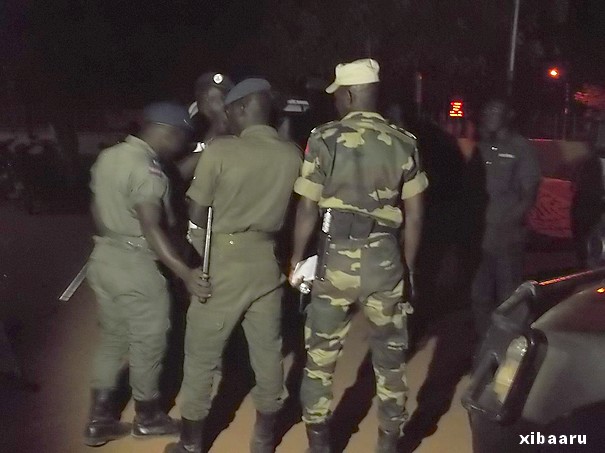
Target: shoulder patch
x,y
306,149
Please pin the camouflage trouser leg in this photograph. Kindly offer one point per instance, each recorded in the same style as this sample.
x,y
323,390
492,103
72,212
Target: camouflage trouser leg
x,y
370,272
325,331
388,343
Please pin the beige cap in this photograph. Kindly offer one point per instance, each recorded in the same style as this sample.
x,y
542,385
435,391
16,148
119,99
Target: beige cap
x,y
358,72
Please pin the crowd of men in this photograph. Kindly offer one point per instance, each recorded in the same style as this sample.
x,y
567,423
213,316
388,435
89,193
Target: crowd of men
x,y
359,189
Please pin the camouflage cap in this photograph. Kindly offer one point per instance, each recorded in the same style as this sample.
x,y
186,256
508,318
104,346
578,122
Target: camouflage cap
x,y
358,72
246,88
168,113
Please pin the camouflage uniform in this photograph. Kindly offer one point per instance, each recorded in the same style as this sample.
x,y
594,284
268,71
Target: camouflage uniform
x,y
360,165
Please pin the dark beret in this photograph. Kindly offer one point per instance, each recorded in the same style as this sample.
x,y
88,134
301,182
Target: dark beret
x,y
246,88
170,114
215,79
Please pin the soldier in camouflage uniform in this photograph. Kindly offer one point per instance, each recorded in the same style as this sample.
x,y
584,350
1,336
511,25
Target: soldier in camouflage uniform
x,y
358,169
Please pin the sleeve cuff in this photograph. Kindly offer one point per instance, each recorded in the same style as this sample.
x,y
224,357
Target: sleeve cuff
x,y
415,186
308,189
147,200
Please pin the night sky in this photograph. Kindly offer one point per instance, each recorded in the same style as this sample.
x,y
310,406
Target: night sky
x,y
129,52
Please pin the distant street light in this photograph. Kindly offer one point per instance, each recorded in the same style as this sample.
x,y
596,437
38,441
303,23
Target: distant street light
x,y
554,73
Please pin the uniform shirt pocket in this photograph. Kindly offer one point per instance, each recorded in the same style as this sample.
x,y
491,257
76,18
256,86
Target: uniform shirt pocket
x,y
500,173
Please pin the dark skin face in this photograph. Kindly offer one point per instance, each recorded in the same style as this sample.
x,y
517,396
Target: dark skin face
x,y
343,100
252,110
167,141
355,98
211,103
232,112
494,117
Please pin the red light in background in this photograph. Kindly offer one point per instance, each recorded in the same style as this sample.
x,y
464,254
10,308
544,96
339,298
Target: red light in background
x,y
554,73
457,109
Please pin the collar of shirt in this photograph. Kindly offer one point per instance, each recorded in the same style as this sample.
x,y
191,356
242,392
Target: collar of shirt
x,y
374,115
259,129
138,143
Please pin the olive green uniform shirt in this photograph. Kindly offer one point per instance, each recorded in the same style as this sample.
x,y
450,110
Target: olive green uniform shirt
x,y
364,165
123,176
248,180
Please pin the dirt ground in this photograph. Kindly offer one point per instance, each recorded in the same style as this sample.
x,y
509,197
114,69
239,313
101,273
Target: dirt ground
x,y
55,341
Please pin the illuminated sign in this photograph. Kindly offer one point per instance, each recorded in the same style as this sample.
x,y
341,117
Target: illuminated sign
x,y
456,109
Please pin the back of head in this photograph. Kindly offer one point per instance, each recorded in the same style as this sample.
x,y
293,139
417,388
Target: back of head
x,y
167,128
355,86
249,103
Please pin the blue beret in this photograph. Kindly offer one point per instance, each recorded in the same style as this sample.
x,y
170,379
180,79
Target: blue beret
x,y
170,114
246,88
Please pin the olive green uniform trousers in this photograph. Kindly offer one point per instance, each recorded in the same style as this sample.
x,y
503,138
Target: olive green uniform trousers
x,y
133,305
247,289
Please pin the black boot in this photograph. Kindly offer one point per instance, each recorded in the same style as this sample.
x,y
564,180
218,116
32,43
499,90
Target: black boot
x,y
104,423
191,438
263,437
150,420
387,441
319,438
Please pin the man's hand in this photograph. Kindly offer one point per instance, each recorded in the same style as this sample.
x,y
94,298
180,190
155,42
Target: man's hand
x,y
295,283
197,284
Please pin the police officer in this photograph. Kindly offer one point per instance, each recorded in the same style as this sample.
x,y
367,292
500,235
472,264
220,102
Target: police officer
x,y
210,90
512,177
358,172
130,191
248,181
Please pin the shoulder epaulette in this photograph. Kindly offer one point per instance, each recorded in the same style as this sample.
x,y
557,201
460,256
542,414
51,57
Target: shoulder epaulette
x,y
409,134
403,131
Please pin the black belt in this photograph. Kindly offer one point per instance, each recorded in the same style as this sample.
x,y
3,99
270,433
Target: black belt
x,y
352,225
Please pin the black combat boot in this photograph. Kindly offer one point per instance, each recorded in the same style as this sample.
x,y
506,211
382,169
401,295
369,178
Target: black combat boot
x,y
191,438
263,437
387,441
319,438
104,423
150,420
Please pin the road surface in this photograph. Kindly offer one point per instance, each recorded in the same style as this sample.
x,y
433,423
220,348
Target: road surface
x,y
55,342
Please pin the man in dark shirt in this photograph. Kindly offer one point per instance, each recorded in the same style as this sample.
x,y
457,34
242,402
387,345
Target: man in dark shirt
x,y
512,177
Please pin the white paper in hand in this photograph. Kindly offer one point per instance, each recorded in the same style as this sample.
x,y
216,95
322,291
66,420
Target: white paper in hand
x,y
306,269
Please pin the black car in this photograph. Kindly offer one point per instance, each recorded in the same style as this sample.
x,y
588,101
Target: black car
x,y
538,382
